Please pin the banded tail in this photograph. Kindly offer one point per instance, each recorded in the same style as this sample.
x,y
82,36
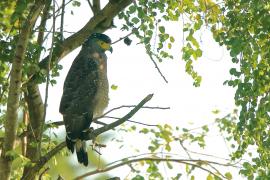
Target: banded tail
x,y
80,146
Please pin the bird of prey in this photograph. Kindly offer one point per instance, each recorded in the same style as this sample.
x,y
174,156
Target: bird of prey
x,y
85,92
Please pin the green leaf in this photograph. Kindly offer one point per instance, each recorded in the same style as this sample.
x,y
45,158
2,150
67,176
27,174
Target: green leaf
x,y
161,29
114,87
209,177
228,175
172,39
138,177
135,20
132,9
144,131
76,3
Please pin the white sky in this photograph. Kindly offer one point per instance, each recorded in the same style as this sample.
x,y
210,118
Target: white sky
x,y
133,72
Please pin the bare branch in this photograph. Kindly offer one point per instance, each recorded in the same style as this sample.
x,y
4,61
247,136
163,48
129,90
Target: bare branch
x,y
121,38
62,20
136,122
91,6
156,66
48,71
96,121
41,174
44,18
92,135
193,162
120,121
96,6
132,106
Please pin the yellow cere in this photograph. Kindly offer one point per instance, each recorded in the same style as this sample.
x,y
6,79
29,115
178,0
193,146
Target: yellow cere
x,y
103,45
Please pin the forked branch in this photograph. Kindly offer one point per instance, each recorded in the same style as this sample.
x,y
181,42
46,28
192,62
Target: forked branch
x,y
44,159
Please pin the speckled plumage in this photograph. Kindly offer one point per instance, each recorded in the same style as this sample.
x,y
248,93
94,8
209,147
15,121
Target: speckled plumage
x,y
85,95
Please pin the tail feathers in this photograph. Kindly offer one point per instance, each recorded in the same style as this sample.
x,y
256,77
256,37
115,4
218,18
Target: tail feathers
x,y
81,152
70,144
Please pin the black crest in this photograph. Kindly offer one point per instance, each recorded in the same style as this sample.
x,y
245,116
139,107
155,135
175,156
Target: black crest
x,y
99,36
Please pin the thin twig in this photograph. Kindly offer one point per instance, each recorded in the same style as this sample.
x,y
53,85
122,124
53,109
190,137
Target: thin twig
x,y
132,106
111,117
91,6
43,172
156,66
96,121
153,125
192,162
121,38
48,73
62,20
185,149
103,129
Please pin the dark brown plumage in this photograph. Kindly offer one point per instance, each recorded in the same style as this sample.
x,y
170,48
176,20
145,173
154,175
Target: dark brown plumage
x,y
85,92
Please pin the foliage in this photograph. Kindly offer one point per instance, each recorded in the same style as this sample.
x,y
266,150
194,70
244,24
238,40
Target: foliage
x,y
245,31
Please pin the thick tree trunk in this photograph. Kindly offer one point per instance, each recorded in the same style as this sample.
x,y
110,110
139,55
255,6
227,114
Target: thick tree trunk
x,y
36,110
15,92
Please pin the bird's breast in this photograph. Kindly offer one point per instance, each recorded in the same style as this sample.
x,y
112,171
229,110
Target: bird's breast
x,y
102,96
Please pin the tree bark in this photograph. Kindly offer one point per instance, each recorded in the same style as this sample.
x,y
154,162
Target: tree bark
x,y
35,103
15,91
36,110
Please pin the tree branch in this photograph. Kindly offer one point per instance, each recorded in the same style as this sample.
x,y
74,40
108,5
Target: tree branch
x,y
97,23
14,89
62,20
105,128
156,66
42,26
132,106
91,6
44,159
193,162
48,70
96,6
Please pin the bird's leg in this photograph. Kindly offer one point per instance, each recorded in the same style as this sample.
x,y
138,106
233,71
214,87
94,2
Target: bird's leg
x,y
87,131
98,145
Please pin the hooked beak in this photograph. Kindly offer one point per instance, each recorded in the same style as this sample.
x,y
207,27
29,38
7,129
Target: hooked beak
x,y
111,49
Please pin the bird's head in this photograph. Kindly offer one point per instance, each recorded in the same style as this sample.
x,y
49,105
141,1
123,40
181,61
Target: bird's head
x,y
101,40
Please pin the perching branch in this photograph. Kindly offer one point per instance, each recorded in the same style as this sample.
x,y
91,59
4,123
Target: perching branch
x,y
193,162
108,127
44,159
96,121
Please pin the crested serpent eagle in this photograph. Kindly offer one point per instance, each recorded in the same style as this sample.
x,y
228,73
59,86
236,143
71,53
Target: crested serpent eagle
x,y
85,92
